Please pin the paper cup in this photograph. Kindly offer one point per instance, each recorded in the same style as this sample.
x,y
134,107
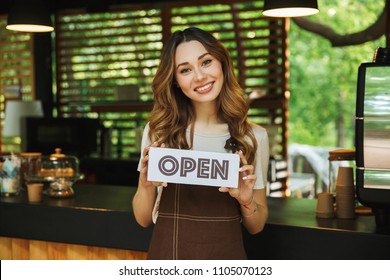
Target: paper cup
x,y
325,205
345,190
345,176
34,192
345,206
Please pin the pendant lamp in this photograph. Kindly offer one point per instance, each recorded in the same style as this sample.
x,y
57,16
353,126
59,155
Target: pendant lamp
x,y
29,16
290,8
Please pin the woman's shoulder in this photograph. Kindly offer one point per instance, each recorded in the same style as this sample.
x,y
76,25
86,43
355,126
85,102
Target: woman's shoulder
x,y
258,130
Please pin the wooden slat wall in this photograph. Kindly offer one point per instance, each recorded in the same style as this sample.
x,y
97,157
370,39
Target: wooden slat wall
x,y
24,249
98,52
16,71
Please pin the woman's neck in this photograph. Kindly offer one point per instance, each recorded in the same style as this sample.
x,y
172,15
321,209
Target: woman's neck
x,y
207,120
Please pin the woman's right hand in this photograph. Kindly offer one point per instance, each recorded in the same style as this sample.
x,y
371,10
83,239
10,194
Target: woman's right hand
x,y
144,168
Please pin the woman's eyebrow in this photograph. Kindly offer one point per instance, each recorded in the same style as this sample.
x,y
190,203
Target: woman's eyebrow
x,y
185,63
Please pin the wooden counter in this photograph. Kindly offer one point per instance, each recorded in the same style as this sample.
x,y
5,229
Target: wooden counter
x,y
98,223
98,216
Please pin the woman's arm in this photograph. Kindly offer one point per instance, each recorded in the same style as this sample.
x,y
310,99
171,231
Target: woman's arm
x,y
255,213
253,202
143,203
145,196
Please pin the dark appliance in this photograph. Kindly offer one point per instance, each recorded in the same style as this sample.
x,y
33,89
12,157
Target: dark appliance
x,y
75,136
373,136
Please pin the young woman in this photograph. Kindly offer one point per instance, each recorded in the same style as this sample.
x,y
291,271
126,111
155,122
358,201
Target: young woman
x,y
199,105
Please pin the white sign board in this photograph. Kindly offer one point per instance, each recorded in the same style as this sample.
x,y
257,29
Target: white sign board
x,y
193,167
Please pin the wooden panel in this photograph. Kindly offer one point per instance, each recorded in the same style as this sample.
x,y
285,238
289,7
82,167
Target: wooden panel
x,y
118,255
97,253
38,250
136,255
5,248
56,251
76,252
23,249
20,249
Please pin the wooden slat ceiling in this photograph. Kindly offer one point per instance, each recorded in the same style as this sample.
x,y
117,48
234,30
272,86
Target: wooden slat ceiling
x,y
90,5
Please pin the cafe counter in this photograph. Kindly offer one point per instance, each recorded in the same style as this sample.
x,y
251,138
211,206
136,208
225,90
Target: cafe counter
x,y
98,223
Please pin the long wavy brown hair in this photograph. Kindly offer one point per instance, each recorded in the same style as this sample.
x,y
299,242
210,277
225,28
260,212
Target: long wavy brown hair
x,y
173,112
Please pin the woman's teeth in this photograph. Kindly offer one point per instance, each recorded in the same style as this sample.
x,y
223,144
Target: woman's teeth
x,y
204,88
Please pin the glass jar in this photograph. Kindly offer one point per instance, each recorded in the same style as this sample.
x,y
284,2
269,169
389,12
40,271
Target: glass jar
x,y
337,158
28,166
9,174
58,172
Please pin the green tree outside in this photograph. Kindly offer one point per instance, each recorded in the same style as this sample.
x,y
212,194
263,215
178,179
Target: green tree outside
x,y
323,78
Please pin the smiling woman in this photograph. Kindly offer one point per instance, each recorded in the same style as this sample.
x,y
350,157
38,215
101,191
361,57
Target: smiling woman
x,y
199,106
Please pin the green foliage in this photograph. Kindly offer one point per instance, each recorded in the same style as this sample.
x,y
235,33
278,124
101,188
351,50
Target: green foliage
x,y
323,78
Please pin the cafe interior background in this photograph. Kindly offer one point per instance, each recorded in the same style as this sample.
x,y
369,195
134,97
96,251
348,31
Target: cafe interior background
x,y
91,76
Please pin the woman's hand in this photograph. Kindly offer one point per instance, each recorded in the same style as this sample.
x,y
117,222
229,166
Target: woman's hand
x,y
144,168
246,182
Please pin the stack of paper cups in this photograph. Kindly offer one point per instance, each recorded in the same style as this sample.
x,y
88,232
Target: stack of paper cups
x,y
345,193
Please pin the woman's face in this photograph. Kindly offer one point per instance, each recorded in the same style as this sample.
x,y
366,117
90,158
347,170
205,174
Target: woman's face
x,y
198,73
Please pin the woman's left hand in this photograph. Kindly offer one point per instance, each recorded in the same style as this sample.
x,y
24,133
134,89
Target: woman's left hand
x,y
246,182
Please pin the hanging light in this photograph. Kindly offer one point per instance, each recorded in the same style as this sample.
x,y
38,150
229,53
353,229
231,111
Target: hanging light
x,y
290,8
29,16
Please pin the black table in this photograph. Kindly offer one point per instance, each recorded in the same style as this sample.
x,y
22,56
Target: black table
x,y
294,232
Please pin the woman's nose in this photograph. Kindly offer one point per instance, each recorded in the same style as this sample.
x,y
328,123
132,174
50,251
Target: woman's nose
x,y
199,74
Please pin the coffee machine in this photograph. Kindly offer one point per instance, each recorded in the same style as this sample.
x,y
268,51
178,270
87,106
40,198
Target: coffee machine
x,y
372,136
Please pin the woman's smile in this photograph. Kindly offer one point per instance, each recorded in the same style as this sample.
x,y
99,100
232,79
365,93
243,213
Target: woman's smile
x,y
204,89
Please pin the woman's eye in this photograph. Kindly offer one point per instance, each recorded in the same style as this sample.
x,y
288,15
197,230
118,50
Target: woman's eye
x,y
207,62
184,70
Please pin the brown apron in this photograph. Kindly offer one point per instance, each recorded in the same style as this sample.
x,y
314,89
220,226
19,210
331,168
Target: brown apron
x,y
197,222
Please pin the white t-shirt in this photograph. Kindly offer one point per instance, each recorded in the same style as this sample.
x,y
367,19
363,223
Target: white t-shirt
x,y
216,143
